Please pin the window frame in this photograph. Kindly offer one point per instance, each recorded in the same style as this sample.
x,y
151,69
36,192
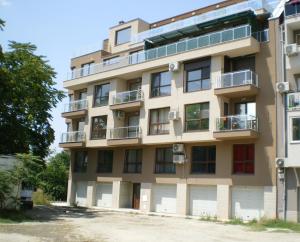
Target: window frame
x,y
185,118
100,97
86,67
96,137
201,80
158,124
159,86
206,162
292,130
120,30
105,166
244,162
137,163
83,167
163,164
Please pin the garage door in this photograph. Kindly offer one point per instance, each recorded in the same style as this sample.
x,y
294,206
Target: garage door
x,y
104,195
247,203
164,198
81,193
203,200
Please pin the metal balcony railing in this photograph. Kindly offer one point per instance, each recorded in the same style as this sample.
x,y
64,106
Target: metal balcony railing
x,y
128,96
202,41
293,101
238,78
71,137
237,122
129,132
75,106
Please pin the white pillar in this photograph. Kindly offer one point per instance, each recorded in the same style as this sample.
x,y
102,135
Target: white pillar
x,y
71,192
145,199
91,190
223,202
181,203
270,201
116,194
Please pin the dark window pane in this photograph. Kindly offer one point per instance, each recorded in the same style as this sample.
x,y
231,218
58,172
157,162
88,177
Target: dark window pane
x,y
101,95
164,161
193,86
197,116
296,129
105,161
80,163
194,75
133,161
203,159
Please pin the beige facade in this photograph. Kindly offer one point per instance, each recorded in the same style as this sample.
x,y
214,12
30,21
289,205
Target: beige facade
x,y
222,193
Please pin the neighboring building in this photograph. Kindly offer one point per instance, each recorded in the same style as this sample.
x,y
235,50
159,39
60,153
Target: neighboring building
x,y
289,116
178,116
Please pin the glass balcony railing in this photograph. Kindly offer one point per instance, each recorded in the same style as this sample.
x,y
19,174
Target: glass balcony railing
x,y
75,106
293,101
129,132
237,122
292,9
202,41
238,78
71,137
129,96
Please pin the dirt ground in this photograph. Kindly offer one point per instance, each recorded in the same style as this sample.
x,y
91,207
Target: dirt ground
x,y
65,224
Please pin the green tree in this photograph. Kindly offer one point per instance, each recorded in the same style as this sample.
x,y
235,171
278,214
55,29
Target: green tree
x,y
54,180
5,188
28,94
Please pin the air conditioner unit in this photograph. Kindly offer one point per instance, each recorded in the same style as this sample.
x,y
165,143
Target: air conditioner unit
x,y
282,87
178,148
178,159
291,49
280,162
173,115
120,114
173,66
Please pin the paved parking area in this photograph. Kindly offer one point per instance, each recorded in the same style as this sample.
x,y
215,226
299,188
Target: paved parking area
x,y
64,224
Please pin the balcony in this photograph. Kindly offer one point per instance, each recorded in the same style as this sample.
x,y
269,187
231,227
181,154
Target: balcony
x,y
237,84
75,109
293,101
236,127
130,135
127,101
222,40
293,57
74,139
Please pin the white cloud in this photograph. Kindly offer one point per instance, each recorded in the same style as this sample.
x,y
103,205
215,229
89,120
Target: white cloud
x,y
4,3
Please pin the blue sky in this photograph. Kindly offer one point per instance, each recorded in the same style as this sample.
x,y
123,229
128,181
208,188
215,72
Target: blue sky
x,y
62,28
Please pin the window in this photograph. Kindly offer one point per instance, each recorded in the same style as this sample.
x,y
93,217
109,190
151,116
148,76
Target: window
x,y
80,163
101,95
197,116
203,159
161,84
86,69
123,36
197,75
133,161
164,161
105,161
111,61
99,127
298,83
159,121
296,129
243,159
247,108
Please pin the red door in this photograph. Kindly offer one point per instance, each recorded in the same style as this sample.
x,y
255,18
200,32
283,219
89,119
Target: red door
x,y
136,195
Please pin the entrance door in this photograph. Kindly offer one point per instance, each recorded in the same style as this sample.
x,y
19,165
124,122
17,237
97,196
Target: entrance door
x,y
136,195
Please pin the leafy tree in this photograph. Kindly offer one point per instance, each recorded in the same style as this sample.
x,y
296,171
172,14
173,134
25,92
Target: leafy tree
x,y
54,180
5,187
27,97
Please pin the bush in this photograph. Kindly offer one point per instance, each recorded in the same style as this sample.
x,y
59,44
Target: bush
x,y
40,198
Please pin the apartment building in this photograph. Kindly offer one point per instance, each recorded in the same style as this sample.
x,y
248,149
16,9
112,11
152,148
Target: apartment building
x,y
178,116
289,116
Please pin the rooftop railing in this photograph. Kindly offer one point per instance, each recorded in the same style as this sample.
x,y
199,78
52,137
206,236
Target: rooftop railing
x,y
237,122
293,101
129,132
128,96
72,137
202,41
238,78
75,106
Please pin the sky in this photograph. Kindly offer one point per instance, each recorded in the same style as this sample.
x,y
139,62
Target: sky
x,y
63,28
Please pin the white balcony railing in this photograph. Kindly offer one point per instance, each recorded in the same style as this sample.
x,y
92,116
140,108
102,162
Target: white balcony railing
x,y
71,137
237,122
129,132
128,96
75,106
293,101
238,78
201,41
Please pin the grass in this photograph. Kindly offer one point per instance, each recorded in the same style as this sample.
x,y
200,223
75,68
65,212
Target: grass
x,y
276,225
13,216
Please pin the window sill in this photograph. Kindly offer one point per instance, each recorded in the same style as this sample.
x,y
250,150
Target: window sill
x,y
295,142
198,130
201,90
153,97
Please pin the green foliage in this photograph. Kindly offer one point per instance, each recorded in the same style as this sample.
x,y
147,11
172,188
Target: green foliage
x,y
2,24
40,198
27,96
5,187
54,180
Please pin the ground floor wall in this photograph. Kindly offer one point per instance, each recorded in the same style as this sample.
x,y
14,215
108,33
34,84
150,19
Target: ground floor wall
x,y
292,194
